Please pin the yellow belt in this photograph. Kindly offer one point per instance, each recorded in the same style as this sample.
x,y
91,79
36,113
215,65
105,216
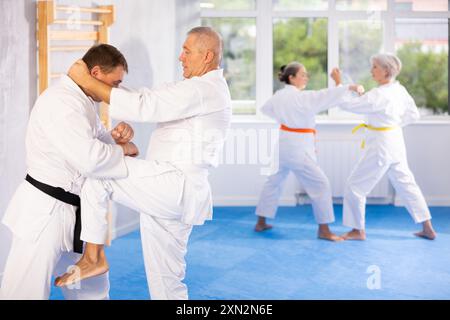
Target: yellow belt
x,y
368,126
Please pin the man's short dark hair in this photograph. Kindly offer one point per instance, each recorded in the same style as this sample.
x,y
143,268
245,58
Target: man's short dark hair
x,y
106,56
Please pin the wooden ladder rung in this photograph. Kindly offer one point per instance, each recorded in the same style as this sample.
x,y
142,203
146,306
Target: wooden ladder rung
x,y
70,48
88,22
81,9
73,35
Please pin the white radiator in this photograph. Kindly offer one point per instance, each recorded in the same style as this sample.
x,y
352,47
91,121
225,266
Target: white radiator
x,y
337,157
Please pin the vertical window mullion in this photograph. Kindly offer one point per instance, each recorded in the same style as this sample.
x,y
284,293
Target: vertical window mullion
x,y
333,44
264,52
389,27
333,40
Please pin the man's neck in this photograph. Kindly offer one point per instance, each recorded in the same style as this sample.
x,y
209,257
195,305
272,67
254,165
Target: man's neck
x,y
209,69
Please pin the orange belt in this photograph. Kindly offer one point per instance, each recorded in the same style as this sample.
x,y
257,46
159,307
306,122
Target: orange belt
x,y
284,128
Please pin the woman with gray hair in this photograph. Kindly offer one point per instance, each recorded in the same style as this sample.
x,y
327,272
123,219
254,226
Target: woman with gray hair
x,y
295,109
388,108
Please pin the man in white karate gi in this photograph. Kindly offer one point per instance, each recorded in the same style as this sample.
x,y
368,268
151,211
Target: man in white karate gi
x,y
170,188
65,143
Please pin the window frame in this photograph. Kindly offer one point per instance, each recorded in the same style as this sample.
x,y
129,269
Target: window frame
x,y
265,14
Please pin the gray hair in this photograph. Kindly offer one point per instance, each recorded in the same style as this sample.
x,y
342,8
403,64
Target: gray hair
x,y
289,70
209,39
389,62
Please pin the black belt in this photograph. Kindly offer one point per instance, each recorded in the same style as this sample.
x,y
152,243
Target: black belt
x,y
66,197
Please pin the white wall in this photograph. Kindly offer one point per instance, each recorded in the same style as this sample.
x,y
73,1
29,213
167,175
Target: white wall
x,y
428,155
237,183
17,94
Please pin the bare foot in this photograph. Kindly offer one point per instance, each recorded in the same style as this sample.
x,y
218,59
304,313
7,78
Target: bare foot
x,y
261,224
329,236
326,234
428,234
427,231
262,227
355,235
83,269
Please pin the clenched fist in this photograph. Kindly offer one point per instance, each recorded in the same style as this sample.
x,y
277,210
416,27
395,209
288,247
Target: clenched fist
x,y
336,76
122,133
359,89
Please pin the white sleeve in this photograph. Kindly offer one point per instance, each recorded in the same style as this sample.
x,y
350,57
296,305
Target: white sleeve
x,y
70,132
321,100
103,134
267,109
411,114
166,103
370,102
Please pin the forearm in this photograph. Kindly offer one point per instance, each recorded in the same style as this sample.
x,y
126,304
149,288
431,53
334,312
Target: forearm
x,y
171,102
97,88
355,104
325,99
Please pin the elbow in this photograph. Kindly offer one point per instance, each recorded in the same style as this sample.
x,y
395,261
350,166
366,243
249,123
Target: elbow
x,y
414,117
143,112
88,169
267,112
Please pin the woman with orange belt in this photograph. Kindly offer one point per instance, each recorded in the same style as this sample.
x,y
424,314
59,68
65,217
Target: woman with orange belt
x,y
295,109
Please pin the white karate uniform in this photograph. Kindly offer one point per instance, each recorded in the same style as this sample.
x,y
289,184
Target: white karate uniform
x,y
170,188
296,108
65,141
387,106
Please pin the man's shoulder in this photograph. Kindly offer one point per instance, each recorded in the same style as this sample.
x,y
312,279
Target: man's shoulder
x,y
60,96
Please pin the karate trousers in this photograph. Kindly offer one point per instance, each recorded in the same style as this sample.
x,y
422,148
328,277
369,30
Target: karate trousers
x,y
31,264
367,173
293,156
155,190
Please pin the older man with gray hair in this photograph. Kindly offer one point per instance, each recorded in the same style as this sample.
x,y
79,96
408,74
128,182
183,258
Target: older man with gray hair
x,y
170,188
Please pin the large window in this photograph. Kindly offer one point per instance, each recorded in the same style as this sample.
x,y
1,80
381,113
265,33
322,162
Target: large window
x,y
358,41
228,4
358,5
303,40
422,45
282,5
422,5
239,57
262,35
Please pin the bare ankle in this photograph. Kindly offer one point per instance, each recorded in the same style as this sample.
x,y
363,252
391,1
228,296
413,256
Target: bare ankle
x,y
324,228
261,221
427,226
94,253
